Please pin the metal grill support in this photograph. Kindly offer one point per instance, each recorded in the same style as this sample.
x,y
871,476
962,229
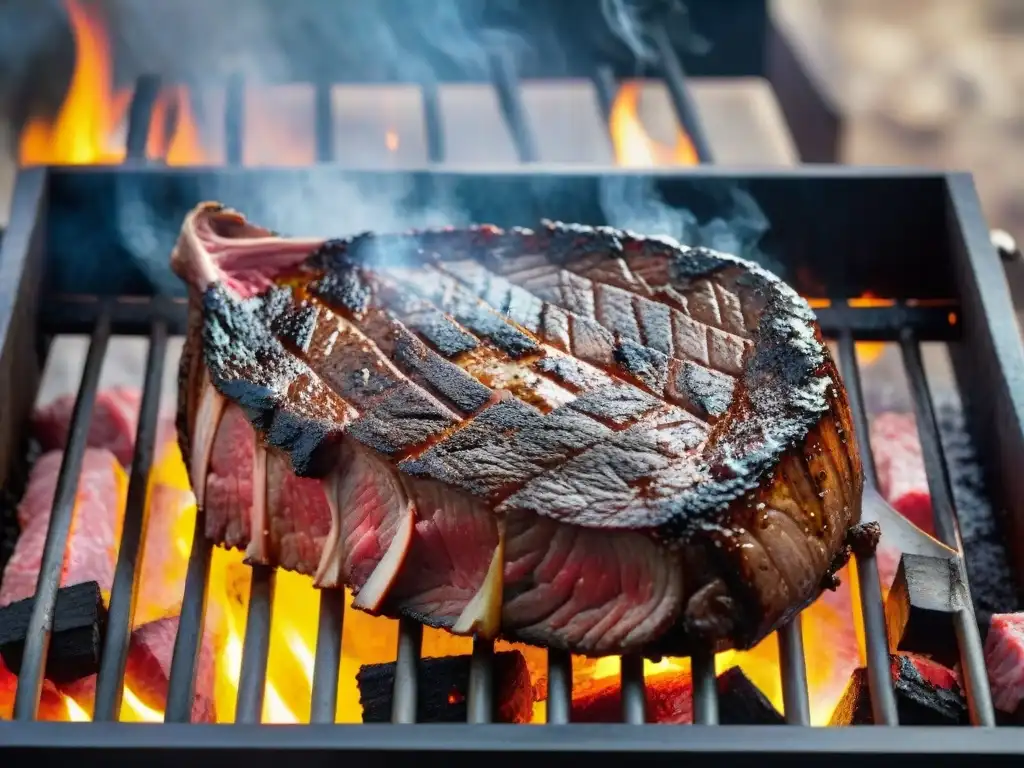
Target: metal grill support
x,y
37,645
124,591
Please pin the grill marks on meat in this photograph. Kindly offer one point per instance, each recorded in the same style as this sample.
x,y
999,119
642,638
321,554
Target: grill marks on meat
x,y
524,434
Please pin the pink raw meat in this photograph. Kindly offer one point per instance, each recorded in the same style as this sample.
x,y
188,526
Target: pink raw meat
x,y
95,523
114,418
148,671
114,421
1004,658
901,474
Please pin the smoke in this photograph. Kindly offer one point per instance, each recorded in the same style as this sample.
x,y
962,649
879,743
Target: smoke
x,y
633,202
630,20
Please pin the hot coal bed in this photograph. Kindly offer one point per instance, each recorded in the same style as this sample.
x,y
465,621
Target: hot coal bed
x,y
76,261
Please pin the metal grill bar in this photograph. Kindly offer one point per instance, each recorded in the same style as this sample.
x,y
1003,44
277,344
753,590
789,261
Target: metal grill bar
x,y
324,120
883,699
705,688
686,110
323,705
634,691
433,125
607,87
793,667
480,701
324,697
124,590
972,658
37,643
404,700
181,686
140,116
234,120
506,83
559,705
256,645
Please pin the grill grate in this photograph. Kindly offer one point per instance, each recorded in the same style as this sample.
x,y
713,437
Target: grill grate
x,y
847,325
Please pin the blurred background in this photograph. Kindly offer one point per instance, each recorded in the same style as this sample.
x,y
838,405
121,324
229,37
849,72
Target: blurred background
x,y
918,82
927,82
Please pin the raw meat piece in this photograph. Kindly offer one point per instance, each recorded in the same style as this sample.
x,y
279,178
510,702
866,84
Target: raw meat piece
x,y
114,422
1004,658
91,551
574,437
901,475
114,419
148,670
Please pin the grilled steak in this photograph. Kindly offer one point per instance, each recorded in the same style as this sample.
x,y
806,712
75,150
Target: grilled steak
x,y
574,437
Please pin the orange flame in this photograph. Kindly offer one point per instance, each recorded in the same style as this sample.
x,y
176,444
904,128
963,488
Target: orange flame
x,y
634,148
84,132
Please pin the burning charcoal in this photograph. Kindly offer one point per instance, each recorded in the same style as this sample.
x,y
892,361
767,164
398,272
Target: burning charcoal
x,y
443,689
1004,658
740,702
75,645
920,608
670,700
927,693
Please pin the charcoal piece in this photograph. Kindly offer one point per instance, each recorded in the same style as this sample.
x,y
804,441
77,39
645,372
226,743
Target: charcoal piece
x,y
670,700
740,702
920,608
927,693
78,624
443,689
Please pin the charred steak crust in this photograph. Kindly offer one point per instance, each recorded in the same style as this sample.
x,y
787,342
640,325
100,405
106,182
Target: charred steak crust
x,y
779,478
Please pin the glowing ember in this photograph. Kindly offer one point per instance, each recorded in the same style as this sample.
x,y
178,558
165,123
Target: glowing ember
x,y
634,148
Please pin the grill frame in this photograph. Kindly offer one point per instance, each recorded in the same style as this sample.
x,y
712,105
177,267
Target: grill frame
x,y
988,360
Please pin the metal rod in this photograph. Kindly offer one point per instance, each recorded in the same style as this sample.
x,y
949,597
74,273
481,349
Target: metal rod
x,y
705,688
234,120
480,704
407,663
256,645
883,699
124,590
140,116
324,698
433,124
324,123
506,83
634,690
947,526
181,687
607,87
686,110
793,665
559,705
40,623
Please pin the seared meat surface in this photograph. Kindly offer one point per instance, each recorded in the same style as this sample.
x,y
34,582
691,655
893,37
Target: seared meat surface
x,y
576,437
